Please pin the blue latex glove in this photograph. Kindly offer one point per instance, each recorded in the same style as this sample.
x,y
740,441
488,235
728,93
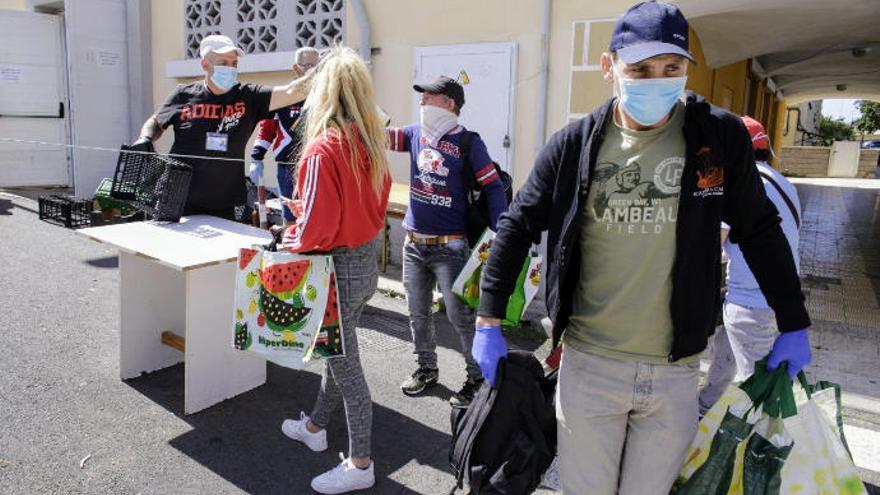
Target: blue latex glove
x,y
793,347
255,172
489,347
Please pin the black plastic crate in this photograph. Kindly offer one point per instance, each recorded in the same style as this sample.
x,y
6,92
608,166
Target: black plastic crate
x,y
156,184
67,210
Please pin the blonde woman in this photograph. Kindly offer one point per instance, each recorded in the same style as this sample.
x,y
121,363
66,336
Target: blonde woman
x,y
342,192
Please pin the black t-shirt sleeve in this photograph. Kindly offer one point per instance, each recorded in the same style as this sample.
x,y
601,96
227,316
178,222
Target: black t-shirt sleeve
x,y
258,97
170,108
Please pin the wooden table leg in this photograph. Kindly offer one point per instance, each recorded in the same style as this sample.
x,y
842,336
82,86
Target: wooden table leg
x,y
173,340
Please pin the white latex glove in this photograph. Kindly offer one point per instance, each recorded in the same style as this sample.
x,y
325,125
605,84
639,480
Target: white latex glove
x,y
255,172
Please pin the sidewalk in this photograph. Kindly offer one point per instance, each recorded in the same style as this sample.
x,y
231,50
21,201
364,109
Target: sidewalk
x,y
840,272
71,426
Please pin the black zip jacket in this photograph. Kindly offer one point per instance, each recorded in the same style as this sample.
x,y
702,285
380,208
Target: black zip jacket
x,y
719,182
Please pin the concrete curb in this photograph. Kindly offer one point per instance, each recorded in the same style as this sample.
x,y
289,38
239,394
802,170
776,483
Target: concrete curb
x,y
861,403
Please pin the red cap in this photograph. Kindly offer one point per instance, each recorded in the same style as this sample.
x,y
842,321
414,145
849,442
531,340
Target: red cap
x,y
760,139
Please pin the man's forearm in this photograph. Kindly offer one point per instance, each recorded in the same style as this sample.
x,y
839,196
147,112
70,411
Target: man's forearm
x,y
497,201
294,92
151,129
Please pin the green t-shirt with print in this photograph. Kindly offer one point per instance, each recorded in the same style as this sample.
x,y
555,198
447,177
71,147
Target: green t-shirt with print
x,y
621,305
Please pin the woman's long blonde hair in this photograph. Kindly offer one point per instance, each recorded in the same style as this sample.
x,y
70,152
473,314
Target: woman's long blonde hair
x,y
342,99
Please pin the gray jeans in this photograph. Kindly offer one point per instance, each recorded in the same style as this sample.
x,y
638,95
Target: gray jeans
x,y
747,336
343,381
623,427
424,266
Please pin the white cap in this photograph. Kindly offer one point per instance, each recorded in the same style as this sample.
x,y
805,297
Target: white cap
x,y
218,43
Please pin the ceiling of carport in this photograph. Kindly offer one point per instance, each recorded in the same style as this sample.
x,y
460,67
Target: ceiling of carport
x,y
811,49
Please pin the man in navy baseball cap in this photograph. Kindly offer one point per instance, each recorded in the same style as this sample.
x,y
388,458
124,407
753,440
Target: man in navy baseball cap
x,y
647,63
630,198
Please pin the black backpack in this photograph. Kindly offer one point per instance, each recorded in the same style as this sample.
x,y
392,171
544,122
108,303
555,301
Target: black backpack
x,y
505,440
478,204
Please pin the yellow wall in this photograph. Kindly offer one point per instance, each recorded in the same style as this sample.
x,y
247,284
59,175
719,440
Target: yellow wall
x,y
786,140
776,138
13,4
724,86
701,78
792,138
729,88
167,44
589,85
588,88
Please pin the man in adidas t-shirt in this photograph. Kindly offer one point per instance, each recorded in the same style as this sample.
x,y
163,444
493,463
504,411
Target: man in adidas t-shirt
x,y
436,249
213,118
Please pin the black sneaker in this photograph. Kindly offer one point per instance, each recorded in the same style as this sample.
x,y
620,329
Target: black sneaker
x,y
463,397
421,379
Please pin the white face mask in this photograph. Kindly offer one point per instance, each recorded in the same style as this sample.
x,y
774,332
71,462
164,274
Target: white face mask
x,y
436,122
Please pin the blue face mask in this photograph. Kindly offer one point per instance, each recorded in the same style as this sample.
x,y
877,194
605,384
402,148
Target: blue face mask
x,y
647,101
224,77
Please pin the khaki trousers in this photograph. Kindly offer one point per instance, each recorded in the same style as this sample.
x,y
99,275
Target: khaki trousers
x,y
624,427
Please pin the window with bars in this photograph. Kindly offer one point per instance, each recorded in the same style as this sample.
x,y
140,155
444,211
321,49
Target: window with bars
x,y
265,26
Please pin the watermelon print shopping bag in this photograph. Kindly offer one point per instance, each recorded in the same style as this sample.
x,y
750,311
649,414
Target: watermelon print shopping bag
x,y
286,307
328,342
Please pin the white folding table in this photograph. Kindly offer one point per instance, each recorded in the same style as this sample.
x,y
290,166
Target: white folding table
x,y
179,279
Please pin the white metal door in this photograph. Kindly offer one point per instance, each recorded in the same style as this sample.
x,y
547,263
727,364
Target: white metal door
x,y
844,161
97,49
31,94
489,94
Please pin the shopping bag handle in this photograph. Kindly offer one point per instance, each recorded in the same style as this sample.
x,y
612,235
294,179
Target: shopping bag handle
x,y
772,391
802,379
760,384
780,402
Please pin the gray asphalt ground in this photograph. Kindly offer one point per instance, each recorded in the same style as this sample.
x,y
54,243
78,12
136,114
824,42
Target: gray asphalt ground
x,y
71,426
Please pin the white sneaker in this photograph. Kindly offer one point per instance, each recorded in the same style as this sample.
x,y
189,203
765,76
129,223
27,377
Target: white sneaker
x,y
297,430
344,478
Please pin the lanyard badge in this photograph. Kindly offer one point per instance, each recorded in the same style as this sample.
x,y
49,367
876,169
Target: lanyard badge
x,y
216,141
